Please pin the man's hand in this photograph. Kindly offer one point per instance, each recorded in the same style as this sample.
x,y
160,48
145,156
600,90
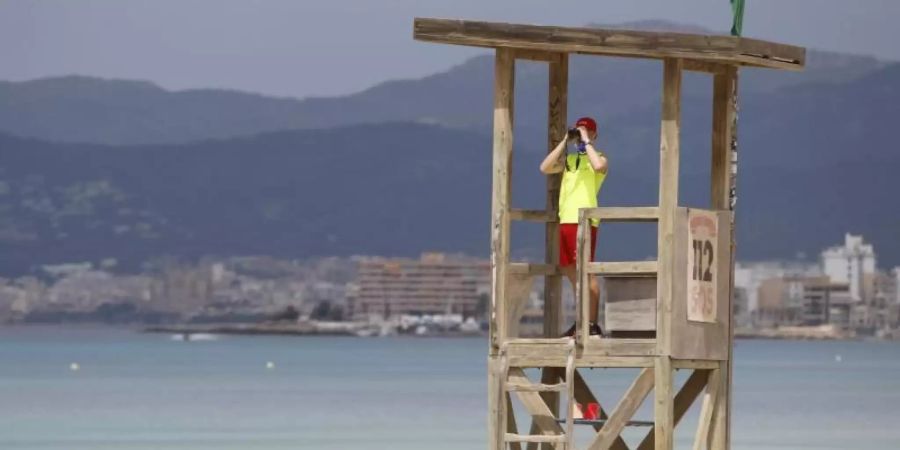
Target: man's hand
x,y
585,137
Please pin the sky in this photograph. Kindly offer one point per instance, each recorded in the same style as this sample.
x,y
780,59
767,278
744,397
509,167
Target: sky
x,y
302,48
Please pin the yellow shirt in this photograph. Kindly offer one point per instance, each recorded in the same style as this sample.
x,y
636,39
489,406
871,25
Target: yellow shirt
x,y
579,189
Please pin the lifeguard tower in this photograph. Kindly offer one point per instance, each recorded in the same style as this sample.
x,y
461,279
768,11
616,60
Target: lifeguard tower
x,y
672,313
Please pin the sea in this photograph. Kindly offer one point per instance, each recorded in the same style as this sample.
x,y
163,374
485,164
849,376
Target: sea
x,y
119,389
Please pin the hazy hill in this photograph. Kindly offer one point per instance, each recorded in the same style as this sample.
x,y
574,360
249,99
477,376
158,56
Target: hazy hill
x,y
814,162
82,109
818,158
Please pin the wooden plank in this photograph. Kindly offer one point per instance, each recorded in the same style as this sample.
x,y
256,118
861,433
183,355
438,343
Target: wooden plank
x,y
631,314
623,213
534,404
596,353
557,108
532,269
695,364
544,360
616,42
668,200
630,303
723,197
504,80
704,66
513,438
700,340
536,55
494,411
532,215
773,50
723,118
683,401
703,438
664,405
624,411
536,387
518,290
642,268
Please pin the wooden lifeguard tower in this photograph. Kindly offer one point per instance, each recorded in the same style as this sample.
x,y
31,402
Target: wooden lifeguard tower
x,y
672,313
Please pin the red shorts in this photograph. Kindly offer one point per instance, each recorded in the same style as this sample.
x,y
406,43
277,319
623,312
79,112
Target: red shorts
x,y
568,243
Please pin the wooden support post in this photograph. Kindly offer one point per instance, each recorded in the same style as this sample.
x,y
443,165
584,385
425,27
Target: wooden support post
x,y
495,439
683,401
557,105
504,85
722,192
702,439
664,406
668,201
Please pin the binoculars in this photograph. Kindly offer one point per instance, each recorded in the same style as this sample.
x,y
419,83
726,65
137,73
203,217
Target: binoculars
x,y
574,133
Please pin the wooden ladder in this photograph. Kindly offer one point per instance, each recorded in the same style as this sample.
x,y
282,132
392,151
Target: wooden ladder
x,y
513,380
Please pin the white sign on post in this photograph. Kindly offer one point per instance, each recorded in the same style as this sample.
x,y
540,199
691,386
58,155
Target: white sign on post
x,y
703,227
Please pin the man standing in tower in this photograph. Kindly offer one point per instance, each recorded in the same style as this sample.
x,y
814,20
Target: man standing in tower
x,y
583,174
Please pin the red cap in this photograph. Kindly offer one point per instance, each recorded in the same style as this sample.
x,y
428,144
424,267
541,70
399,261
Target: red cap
x,y
587,123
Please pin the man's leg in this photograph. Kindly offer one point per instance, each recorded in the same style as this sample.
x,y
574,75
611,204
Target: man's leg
x,y
595,299
569,272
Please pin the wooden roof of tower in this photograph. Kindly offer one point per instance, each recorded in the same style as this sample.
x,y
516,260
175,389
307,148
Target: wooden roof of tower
x,y
697,48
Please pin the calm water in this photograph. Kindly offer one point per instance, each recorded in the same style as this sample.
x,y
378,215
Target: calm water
x,y
137,391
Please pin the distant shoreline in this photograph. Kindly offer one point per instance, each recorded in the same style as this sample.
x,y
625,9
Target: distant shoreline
x,y
348,329
290,329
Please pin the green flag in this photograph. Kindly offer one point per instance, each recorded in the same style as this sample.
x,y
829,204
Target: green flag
x,y
737,9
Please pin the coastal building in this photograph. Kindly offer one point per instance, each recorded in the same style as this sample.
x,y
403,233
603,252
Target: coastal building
x,y
826,303
749,278
436,283
852,263
810,301
894,285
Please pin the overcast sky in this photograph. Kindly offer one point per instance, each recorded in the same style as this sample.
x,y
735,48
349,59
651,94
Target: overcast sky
x,y
315,48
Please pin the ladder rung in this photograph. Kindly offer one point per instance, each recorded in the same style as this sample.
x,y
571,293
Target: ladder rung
x,y
623,268
532,387
538,438
630,423
623,214
532,215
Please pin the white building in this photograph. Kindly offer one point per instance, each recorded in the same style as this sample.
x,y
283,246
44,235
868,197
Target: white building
x,y
850,263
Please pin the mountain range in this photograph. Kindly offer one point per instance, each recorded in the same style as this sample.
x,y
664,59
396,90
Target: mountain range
x,y
93,169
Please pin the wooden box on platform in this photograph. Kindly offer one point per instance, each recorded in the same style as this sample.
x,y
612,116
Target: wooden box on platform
x,y
629,306
672,313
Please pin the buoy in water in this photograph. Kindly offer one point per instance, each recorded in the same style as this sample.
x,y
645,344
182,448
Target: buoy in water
x,y
270,365
74,367
838,358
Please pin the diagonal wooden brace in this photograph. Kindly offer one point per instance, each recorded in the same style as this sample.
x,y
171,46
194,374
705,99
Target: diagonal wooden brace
x,y
624,411
683,401
542,416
